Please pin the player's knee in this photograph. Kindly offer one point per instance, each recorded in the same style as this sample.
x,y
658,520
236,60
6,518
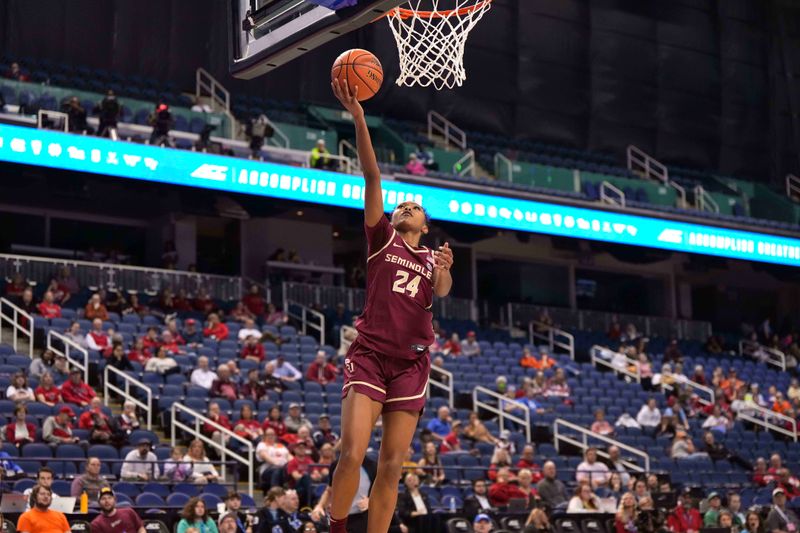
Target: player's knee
x,y
351,458
391,466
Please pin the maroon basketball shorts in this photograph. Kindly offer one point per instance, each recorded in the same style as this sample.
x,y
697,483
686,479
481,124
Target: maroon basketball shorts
x,y
399,384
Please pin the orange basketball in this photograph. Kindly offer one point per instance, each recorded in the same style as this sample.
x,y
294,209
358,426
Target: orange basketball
x,y
360,68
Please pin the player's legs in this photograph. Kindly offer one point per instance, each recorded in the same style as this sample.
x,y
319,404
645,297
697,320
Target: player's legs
x,y
398,431
359,414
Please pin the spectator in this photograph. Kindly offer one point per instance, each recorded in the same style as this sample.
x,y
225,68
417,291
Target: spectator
x,y
538,385
699,375
19,391
19,432
297,472
735,509
295,419
324,433
109,110
76,391
478,501
14,72
162,363
672,353
90,481
218,418
626,518
551,490
501,457
100,426
789,483
414,166
75,334
601,425
171,344
252,389
248,426
119,361
48,308
537,522
584,500
719,452
111,519
140,464
683,447
711,517
17,286
649,416
430,471
272,454
285,371
139,353
57,428
44,477
248,330
202,376
41,519
320,157
321,370
752,523
451,442
453,346
257,130
191,335
685,518
275,317
440,426
526,460
640,490
77,116
175,469
242,522
215,329
254,301
780,518
47,393
525,481
615,464
592,471
502,490
162,122
476,431
558,386
203,471
413,503
194,516
252,350
97,339
224,386
126,422
274,421
242,314
41,365
95,308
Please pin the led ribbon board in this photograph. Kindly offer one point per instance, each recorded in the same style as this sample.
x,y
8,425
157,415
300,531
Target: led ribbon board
x,y
195,169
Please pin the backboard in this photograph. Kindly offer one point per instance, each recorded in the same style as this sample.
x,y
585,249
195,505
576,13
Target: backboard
x,y
265,34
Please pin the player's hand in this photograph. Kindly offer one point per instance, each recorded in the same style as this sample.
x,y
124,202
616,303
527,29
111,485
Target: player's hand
x,y
363,503
349,100
443,257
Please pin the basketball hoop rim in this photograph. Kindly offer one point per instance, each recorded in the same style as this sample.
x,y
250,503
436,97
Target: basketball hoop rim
x,y
405,13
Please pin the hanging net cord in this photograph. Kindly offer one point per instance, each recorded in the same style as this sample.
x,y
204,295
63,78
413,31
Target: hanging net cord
x,y
431,43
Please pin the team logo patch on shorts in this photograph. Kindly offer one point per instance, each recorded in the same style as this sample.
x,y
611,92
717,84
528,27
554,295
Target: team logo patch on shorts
x,y
348,364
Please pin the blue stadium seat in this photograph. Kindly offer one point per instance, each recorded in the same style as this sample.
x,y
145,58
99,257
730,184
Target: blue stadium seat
x,y
177,499
149,499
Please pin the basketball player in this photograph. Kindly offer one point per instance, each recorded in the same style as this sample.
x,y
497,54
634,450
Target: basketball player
x,y
387,366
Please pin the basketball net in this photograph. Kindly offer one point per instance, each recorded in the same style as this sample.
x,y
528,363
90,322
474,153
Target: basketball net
x,y
431,43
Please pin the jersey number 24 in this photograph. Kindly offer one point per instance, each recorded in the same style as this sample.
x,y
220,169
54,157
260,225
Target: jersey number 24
x,y
402,285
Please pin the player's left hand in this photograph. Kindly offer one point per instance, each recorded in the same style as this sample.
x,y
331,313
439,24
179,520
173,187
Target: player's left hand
x,y
443,257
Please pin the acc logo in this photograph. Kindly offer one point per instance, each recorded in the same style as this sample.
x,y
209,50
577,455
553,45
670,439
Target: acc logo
x,y
348,364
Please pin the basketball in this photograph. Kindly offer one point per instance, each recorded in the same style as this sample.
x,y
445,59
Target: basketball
x,y
360,68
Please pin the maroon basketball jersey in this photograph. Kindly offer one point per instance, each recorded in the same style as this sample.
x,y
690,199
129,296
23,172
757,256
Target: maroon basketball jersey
x,y
397,318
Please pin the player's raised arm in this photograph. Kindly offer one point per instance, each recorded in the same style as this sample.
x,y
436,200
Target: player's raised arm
x,y
373,201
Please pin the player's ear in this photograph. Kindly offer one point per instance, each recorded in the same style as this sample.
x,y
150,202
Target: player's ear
x,y
425,229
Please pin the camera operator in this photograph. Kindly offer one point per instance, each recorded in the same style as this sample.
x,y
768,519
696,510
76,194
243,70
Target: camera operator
x,y
108,110
162,121
77,116
258,129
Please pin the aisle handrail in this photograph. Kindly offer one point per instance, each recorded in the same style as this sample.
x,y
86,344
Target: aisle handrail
x,y
766,420
772,356
446,384
501,413
695,386
69,347
452,134
555,337
16,328
126,393
223,451
596,354
583,444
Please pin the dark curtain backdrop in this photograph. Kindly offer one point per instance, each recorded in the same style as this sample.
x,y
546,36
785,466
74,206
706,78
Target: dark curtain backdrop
x,y
696,82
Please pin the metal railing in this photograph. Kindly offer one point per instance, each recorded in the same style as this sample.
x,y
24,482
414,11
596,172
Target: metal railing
x,y
344,342
555,337
438,124
208,86
582,442
445,383
502,165
223,451
703,201
11,314
520,314
67,349
771,356
465,166
602,356
305,319
498,409
609,194
121,277
696,388
349,155
766,418
126,393
277,136
645,165
43,116
792,186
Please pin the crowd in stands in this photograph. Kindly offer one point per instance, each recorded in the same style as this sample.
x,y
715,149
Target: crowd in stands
x,y
295,455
